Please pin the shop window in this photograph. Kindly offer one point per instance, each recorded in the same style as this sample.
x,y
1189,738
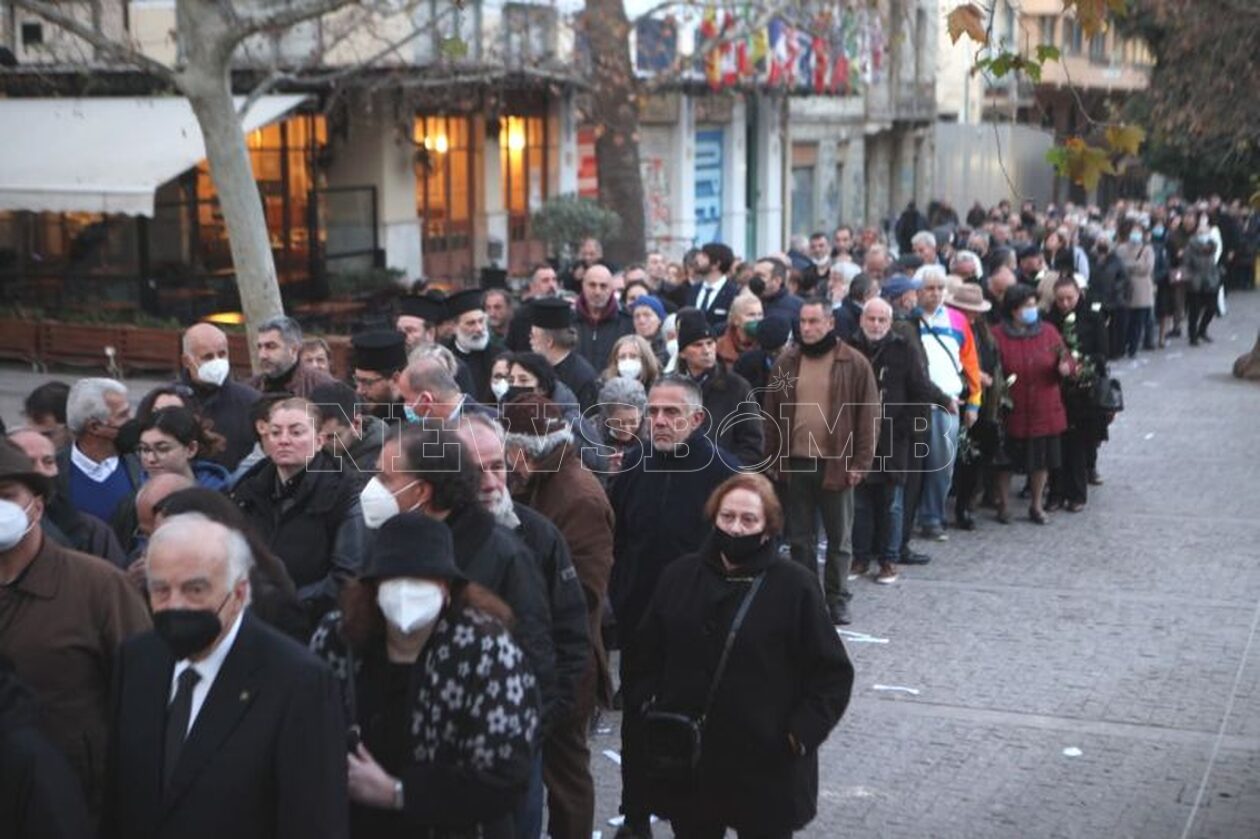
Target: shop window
x,y
523,150
444,193
282,157
804,166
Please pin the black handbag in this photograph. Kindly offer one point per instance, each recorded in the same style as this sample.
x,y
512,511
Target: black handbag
x,y
672,739
1108,395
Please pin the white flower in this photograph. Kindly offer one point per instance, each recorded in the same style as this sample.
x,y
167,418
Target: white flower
x,y
1071,318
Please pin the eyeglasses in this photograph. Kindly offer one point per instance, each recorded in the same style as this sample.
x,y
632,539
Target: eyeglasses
x,y
365,381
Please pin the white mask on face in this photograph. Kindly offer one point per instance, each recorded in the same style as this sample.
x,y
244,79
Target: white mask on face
x,y
629,368
410,605
379,505
499,387
671,346
214,372
13,524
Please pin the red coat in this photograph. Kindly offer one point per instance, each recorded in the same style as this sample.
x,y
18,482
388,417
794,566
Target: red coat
x,y
1034,360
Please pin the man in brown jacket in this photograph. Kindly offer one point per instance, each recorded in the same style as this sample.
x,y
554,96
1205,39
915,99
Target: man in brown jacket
x,y
822,414
549,477
63,615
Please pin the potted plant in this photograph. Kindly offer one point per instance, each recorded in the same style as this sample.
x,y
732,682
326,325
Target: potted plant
x,y
563,222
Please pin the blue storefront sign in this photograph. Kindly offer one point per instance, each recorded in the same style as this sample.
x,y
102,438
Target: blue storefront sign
x,y
709,185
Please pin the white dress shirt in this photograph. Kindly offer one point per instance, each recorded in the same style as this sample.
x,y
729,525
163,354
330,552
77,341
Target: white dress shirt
x,y
709,294
207,668
98,472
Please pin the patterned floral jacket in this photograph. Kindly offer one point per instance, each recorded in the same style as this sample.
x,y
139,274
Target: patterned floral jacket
x,y
474,722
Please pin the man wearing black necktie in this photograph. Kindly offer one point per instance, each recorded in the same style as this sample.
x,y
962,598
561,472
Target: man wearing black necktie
x,y
715,291
221,726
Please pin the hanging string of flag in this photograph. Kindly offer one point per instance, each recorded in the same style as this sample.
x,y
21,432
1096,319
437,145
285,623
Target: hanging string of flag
x,y
838,55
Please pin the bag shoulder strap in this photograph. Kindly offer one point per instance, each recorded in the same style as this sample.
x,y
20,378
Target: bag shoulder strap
x,y
730,642
948,354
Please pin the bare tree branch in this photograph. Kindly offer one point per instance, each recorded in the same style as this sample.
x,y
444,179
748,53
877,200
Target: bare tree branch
x,y
118,51
289,15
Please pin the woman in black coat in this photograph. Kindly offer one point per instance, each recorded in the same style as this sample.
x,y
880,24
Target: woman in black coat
x,y
1084,331
786,684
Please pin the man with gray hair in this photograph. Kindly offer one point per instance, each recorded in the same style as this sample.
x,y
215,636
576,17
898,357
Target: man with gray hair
x,y
658,504
91,473
214,705
279,350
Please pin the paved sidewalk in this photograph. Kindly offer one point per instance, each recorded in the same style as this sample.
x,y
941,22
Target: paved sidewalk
x,y
1126,632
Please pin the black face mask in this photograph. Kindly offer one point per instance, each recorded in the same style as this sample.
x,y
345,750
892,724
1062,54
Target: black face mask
x,y
188,631
738,549
820,347
513,392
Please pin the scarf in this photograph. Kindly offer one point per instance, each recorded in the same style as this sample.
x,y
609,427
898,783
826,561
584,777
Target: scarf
x,y
596,318
820,347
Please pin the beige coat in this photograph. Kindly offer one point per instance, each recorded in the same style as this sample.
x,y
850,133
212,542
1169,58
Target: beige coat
x,y
1139,264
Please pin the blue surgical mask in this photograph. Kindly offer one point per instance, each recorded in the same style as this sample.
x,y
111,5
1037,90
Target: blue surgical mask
x,y
1158,231
1028,316
410,415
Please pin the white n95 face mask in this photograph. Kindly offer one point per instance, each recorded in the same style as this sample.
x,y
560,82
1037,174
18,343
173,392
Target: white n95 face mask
x,y
499,387
214,372
378,504
629,368
13,524
410,605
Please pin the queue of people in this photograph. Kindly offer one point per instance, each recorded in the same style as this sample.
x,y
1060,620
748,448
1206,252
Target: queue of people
x,y
384,601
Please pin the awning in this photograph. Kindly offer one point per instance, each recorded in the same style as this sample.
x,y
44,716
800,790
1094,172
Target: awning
x,y
104,155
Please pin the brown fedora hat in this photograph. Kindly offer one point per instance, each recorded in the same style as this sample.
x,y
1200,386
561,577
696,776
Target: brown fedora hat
x,y
969,298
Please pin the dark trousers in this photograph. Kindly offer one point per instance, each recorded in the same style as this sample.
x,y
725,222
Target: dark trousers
x,y
1117,331
1070,482
966,481
634,793
1141,330
567,775
910,497
877,521
688,829
806,501
1202,306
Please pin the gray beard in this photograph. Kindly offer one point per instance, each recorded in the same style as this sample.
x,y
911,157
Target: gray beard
x,y
472,346
504,511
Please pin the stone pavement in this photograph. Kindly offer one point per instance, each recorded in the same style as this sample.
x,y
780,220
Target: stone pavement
x,y
1126,632
1098,677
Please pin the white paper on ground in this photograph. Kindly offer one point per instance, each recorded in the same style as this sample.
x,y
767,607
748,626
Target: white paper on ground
x,y
897,689
613,756
860,637
1072,751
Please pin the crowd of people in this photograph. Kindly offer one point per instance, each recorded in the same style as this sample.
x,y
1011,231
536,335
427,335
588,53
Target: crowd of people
x,y
383,601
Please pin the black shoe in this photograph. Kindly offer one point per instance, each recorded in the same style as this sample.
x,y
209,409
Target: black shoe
x,y
1037,517
914,558
1176,333
1095,480
1194,342
1204,338
840,613
964,520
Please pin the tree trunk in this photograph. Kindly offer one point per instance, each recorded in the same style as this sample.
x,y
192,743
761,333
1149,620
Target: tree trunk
x,y
615,107
206,81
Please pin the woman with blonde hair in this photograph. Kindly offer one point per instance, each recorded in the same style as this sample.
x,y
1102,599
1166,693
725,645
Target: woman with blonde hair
x,y
632,358
741,327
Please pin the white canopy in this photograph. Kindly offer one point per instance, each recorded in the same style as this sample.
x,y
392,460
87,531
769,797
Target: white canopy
x,y
104,155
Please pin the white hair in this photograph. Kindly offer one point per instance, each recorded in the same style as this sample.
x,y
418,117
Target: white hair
x,y
973,258
86,402
925,272
189,528
923,237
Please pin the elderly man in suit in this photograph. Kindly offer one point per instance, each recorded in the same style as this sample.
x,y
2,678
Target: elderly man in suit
x,y
222,726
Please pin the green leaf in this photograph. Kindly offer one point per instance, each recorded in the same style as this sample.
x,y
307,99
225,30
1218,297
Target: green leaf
x,y
1057,157
454,47
1033,69
1002,65
1047,52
